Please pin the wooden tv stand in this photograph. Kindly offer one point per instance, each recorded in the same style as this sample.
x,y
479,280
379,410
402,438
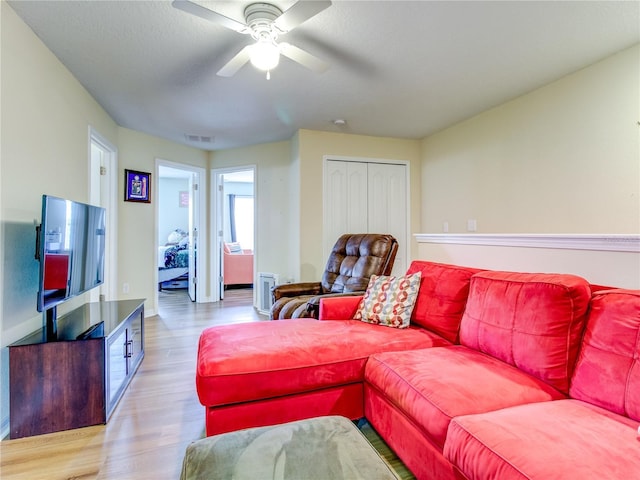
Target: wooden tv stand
x,y
76,380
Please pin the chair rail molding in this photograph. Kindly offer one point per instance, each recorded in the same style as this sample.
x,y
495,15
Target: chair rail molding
x,y
603,242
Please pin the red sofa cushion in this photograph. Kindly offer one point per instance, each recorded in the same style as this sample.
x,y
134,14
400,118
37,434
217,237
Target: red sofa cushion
x,y
431,386
608,369
541,441
255,361
442,296
531,321
339,308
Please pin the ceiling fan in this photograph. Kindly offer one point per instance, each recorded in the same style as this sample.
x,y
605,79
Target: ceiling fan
x,y
265,23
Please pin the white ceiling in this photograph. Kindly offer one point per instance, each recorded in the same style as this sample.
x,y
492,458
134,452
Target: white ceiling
x,y
398,68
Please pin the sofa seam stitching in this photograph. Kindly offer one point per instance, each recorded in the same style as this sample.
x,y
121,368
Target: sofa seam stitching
x,y
491,450
405,382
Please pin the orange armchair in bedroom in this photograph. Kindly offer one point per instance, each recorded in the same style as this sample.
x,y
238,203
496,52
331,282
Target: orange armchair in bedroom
x,y
238,265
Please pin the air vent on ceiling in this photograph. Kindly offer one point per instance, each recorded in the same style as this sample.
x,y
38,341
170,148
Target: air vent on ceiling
x,y
199,138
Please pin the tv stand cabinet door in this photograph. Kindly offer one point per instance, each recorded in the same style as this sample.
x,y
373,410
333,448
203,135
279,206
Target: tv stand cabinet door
x,y
125,353
56,386
116,368
135,337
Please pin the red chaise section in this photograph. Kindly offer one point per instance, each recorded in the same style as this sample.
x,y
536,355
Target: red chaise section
x,y
257,362
265,373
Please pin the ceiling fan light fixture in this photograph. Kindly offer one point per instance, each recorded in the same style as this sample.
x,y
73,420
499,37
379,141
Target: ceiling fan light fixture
x,y
265,55
264,22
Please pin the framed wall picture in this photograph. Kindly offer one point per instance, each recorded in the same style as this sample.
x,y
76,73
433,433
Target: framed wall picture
x,y
183,199
137,186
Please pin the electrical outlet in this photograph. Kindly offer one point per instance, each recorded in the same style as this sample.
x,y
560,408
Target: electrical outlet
x,y
472,225
445,227
125,288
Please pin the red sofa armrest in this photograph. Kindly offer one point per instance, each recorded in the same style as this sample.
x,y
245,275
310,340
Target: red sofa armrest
x,y
339,308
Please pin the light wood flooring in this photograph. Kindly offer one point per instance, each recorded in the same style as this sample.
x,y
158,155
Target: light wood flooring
x,y
158,416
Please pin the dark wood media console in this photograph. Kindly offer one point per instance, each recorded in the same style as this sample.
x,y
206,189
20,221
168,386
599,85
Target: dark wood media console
x,y
76,380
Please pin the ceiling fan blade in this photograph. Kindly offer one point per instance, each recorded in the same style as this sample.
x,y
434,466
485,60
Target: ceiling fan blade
x,y
299,13
303,58
215,17
236,63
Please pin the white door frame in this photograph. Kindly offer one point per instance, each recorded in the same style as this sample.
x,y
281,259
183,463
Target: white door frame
x,y
106,198
217,217
200,219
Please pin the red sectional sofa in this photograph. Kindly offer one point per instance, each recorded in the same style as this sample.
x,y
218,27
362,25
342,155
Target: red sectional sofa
x,y
500,375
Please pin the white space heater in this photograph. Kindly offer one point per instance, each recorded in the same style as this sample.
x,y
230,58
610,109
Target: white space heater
x,y
265,282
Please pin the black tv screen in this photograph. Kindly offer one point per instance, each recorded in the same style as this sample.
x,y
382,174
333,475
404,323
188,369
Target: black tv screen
x,y
70,247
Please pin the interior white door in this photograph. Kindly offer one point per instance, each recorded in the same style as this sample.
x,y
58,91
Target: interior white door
x,y
102,192
219,248
345,201
388,206
194,206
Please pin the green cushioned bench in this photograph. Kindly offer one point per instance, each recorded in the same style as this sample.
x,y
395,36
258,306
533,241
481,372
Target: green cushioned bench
x,y
317,448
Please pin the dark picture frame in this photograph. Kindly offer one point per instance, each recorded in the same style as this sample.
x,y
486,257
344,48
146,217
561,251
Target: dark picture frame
x,y
137,186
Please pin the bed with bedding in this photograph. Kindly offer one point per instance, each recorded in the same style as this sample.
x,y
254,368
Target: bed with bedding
x,y
173,262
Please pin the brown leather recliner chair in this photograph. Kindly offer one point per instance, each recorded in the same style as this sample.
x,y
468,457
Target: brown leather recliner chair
x,y
353,259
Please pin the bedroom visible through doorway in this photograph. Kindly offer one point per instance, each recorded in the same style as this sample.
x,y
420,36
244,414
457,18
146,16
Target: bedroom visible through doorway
x,y
235,221
178,229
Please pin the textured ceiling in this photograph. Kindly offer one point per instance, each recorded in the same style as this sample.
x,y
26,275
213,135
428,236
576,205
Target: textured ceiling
x,y
400,69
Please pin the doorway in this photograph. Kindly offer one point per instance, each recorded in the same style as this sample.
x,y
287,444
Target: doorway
x,y
179,217
103,187
233,207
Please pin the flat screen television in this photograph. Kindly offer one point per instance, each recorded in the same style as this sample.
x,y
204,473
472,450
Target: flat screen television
x,y
70,246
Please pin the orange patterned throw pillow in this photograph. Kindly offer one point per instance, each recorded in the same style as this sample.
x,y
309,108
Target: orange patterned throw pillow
x,y
389,300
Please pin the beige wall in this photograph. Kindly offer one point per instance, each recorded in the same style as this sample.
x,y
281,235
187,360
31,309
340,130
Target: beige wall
x,y
273,207
293,230
562,159
137,229
289,194
46,115
312,147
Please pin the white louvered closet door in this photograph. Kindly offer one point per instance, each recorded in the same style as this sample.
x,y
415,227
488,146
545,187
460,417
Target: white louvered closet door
x,y
366,197
387,206
345,201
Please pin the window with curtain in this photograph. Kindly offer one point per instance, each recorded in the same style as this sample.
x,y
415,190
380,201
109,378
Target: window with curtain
x,y
241,219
